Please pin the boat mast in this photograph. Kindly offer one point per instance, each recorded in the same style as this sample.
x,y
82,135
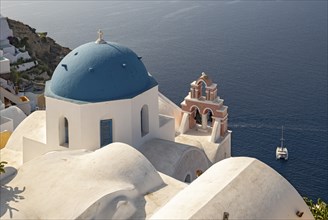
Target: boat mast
x,y
282,137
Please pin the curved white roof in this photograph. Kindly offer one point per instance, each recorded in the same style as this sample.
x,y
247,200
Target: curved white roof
x,y
34,127
245,188
175,159
80,184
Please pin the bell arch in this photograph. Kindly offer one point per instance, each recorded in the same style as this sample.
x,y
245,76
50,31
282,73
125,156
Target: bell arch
x,y
195,116
209,114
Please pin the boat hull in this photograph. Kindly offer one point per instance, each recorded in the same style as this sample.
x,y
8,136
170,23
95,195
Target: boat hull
x,y
281,153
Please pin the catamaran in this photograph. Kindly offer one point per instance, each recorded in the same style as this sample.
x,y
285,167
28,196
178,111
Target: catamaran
x,y
281,151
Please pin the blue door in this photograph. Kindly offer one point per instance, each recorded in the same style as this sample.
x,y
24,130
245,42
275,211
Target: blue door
x,y
106,132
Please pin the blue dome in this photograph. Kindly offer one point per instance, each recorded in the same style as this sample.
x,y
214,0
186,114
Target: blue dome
x,y
99,72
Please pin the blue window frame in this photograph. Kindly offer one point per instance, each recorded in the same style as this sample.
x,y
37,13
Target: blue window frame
x,y
106,132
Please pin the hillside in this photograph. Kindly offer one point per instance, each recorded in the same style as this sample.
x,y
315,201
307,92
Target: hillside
x,y
40,47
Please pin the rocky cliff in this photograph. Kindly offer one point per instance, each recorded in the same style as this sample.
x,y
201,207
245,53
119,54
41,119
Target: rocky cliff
x,y
40,47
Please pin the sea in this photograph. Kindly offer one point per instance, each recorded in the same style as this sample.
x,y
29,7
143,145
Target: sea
x,y
269,59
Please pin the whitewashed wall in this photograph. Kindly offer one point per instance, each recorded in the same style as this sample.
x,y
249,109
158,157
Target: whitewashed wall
x,y
26,66
4,65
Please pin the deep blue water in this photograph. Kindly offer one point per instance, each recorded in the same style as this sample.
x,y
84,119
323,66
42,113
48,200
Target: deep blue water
x,y
268,58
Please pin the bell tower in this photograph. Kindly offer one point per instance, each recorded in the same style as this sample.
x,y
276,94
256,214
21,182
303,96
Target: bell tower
x,y
203,110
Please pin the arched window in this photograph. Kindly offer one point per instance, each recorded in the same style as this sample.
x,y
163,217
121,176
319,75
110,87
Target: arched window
x,y
64,132
187,179
144,120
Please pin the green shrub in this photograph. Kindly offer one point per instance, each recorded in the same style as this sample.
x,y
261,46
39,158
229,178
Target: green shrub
x,y
319,210
42,34
2,166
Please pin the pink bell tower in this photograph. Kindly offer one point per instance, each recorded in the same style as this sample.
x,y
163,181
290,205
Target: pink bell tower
x,y
203,110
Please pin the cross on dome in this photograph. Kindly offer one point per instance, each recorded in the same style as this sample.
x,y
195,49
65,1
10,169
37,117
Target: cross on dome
x,y
100,34
100,39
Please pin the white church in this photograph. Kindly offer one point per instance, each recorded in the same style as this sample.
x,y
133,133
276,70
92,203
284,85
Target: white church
x,y
110,146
